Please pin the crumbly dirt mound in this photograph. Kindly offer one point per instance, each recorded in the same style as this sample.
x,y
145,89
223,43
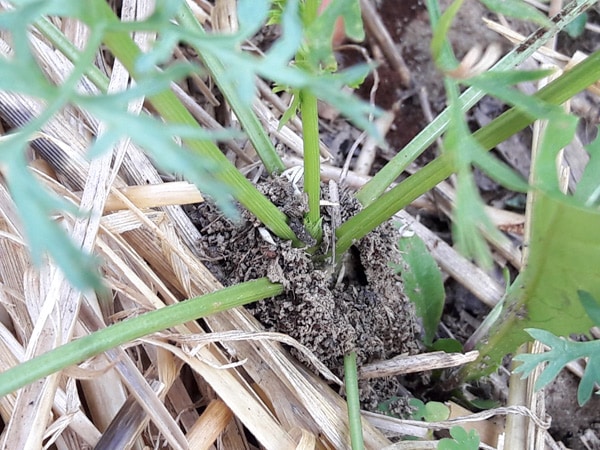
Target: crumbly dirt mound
x,y
358,306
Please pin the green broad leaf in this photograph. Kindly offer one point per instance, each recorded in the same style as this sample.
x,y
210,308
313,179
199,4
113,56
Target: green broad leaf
x,y
158,140
423,283
160,54
591,376
160,19
563,260
469,217
26,11
588,188
517,9
275,66
577,26
461,440
591,306
24,76
430,411
562,352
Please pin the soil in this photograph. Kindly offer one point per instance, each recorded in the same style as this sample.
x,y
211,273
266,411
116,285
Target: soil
x,y
332,309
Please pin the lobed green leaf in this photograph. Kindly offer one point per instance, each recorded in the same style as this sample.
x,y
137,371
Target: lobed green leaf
x,y
562,352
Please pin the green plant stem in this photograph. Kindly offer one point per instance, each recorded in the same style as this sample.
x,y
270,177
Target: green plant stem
x,y
392,170
60,41
173,111
560,90
250,123
100,341
352,399
312,165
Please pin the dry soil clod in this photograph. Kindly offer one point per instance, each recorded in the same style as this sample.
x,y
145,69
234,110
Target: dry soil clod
x,y
359,306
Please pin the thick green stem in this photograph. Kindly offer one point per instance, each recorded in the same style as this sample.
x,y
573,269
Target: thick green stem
x,y
353,401
83,348
312,165
392,170
173,111
250,123
509,123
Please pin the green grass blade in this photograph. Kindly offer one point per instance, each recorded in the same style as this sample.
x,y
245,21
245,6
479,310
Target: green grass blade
x,y
509,123
64,45
81,349
386,176
172,110
353,401
250,123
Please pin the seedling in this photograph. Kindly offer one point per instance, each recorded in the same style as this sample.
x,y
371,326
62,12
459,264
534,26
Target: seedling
x,y
556,267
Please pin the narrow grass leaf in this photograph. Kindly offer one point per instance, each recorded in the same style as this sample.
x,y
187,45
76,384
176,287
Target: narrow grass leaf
x,y
440,48
517,9
353,401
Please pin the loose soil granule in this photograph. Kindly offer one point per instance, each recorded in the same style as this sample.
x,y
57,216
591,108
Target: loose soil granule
x,y
332,310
